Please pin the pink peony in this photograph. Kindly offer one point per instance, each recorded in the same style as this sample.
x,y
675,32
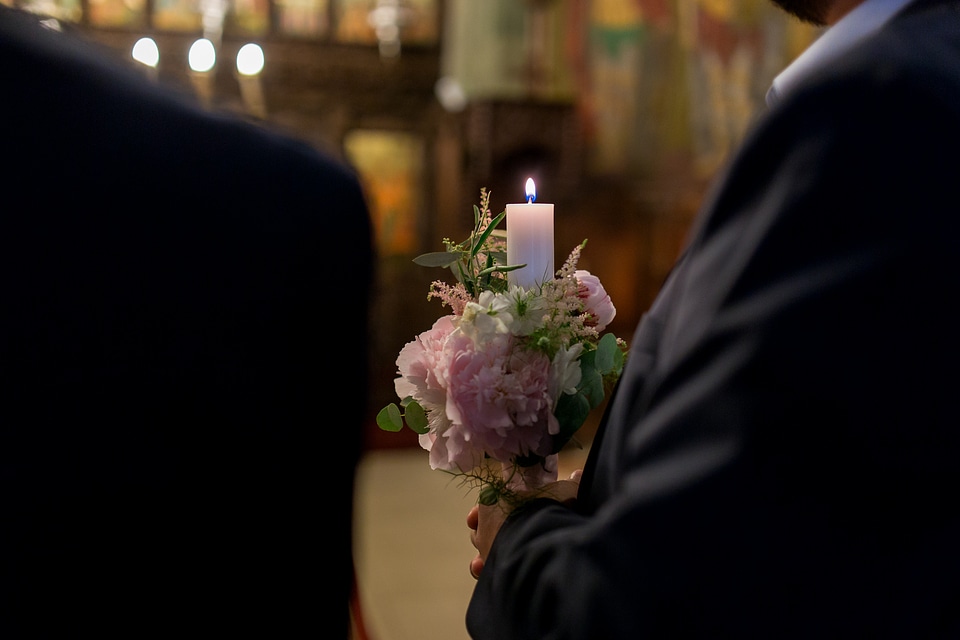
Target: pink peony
x,y
422,366
421,363
449,451
497,401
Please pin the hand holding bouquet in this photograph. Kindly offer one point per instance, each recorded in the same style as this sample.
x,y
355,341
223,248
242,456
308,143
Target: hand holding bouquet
x,y
499,386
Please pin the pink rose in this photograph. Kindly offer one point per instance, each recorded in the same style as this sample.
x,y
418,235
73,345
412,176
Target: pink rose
x,y
596,301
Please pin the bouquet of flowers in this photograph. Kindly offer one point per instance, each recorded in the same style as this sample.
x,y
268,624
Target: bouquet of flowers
x,y
496,388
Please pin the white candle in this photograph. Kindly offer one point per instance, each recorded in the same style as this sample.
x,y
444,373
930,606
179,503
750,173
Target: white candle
x,y
530,240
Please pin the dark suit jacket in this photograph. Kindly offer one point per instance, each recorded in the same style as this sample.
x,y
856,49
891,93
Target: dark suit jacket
x,y
781,456
182,365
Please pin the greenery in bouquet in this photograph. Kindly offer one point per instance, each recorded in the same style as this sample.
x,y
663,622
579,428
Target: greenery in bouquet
x,y
497,387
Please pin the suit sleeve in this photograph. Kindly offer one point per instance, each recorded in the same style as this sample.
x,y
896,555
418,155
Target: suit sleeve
x,y
767,473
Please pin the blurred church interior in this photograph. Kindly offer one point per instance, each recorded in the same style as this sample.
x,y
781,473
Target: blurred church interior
x,y
621,110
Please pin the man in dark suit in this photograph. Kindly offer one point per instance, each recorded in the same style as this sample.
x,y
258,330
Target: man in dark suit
x,y
781,457
182,361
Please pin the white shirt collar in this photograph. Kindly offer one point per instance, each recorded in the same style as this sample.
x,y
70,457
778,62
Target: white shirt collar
x,y
862,21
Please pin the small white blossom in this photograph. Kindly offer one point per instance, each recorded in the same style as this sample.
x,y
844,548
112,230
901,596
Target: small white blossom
x,y
565,371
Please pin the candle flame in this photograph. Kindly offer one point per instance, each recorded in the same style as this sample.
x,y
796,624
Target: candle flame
x,y
531,190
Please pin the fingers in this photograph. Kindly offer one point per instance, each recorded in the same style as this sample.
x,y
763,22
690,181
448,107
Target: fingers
x,y
564,491
473,522
476,566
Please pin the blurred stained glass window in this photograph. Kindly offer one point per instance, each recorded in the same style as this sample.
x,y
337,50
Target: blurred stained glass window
x,y
178,15
303,17
391,167
356,20
348,21
248,17
117,13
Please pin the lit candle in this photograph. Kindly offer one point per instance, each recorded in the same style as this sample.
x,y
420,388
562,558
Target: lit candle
x,y
530,240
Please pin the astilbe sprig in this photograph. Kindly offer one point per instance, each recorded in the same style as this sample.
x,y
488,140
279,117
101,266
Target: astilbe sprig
x,y
454,296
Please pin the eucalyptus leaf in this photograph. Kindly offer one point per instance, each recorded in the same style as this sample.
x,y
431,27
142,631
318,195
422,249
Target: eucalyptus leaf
x,y
608,354
572,411
416,418
389,418
437,259
591,387
461,276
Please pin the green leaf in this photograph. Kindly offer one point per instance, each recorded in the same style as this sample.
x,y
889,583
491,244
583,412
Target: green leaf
x,y
416,418
572,411
486,233
499,257
609,358
437,259
389,418
591,386
457,269
501,268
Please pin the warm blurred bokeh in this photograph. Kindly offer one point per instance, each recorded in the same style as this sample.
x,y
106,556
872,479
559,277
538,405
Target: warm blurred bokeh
x,y
622,111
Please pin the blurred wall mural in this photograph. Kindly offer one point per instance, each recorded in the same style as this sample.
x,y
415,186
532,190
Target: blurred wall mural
x,y
652,79
700,70
626,109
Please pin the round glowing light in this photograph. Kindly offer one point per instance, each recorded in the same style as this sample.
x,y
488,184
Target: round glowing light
x,y
250,59
450,93
145,51
202,55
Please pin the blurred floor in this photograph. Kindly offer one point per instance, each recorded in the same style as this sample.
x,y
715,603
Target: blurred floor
x,y
413,545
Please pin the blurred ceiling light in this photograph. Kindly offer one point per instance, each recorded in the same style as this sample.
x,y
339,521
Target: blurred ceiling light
x,y
146,52
250,59
450,93
388,19
202,56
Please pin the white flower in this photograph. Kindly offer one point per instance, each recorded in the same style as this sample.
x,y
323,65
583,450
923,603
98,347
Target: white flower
x,y
527,308
565,371
484,319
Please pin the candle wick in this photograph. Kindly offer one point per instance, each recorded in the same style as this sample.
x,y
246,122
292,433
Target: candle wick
x,y
530,199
